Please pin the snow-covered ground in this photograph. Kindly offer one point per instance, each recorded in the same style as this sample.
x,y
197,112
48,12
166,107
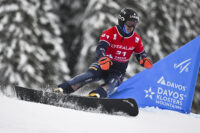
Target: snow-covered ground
x,y
25,117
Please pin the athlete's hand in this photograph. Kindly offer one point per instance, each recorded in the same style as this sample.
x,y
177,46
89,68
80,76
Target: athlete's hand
x,y
105,63
147,63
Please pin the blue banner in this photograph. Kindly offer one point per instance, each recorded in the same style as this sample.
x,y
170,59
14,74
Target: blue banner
x,y
170,84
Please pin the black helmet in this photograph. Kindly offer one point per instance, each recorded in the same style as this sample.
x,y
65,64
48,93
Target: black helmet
x,y
128,14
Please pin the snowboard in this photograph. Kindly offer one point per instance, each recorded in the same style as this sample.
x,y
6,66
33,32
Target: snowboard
x,y
99,105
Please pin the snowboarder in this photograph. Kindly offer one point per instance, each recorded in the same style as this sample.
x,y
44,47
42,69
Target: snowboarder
x,y
115,47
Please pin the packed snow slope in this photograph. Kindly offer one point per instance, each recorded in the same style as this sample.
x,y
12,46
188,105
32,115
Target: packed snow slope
x,y
25,117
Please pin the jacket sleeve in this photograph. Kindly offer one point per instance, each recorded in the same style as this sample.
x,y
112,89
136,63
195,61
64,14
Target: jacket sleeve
x,y
140,48
140,56
104,42
101,49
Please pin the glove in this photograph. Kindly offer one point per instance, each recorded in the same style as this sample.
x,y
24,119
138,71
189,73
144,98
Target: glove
x,y
105,63
147,63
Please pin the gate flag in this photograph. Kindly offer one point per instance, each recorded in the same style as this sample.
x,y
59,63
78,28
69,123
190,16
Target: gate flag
x,y
170,84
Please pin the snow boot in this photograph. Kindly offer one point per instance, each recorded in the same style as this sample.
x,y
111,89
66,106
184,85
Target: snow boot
x,y
64,88
98,93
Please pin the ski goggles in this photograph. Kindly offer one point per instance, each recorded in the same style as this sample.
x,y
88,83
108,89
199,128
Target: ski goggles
x,y
131,23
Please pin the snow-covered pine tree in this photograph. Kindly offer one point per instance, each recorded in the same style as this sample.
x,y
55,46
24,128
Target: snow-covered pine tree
x,y
30,45
168,25
70,13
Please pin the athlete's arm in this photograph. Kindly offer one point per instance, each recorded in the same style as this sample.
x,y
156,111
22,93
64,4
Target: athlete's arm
x,y
101,49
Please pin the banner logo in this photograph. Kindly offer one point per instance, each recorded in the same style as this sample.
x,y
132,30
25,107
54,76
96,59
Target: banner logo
x,y
171,84
183,66
170,93
161,81
167,93
149,93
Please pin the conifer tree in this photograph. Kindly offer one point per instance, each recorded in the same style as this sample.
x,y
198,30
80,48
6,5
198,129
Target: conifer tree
x,y
30,44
